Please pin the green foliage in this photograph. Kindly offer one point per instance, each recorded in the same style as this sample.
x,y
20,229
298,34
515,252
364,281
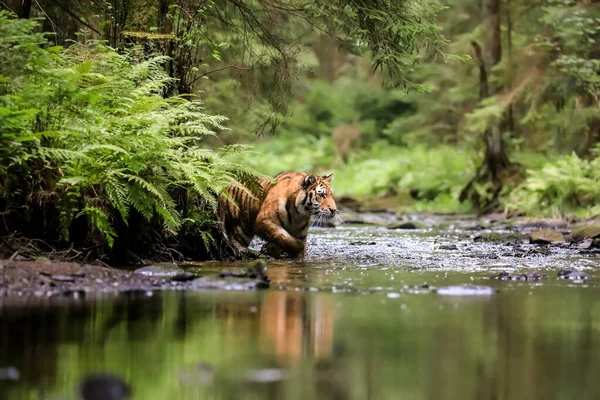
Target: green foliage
x,y
89,133
434,175
392,32
325,106
243,43
567,186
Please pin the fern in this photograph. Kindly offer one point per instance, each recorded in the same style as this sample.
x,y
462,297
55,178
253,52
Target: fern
x,y
105,143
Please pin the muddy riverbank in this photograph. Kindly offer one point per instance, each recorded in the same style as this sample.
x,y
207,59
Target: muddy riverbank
x,y
42,279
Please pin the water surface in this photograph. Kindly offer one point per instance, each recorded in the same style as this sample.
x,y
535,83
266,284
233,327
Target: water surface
x,y
348,323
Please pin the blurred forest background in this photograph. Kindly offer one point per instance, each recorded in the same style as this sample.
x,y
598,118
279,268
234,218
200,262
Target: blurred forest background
x,y
122,121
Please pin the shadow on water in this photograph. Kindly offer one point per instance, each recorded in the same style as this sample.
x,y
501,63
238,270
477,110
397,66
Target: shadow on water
x,y
325,330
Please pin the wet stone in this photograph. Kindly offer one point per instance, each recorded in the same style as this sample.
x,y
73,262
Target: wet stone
x,y
9,374
487,256
184,277
448,247
104,387
159,270
586,244
546,236
520,276
63,278
572,275
407,225
586,232
254,270
362,243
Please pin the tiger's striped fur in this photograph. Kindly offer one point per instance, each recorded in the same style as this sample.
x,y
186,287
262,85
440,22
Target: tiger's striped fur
x,y
280,215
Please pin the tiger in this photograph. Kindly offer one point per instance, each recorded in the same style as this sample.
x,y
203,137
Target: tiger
x,y
280,214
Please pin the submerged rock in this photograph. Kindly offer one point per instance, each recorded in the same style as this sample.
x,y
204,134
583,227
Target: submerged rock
x,y
266,375
203,373
520,276
466,290
546,236
9,374
104,387
572,275
165,269
256,269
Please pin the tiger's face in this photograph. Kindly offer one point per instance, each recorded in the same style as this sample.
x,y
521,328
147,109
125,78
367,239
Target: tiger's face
x,y
316,197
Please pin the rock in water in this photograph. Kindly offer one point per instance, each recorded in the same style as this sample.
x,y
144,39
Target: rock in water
x,y
586,232
256,269
546,236
573,275
104,387
466,290
9,374
183,277
520,276
586,244
406,225
165,269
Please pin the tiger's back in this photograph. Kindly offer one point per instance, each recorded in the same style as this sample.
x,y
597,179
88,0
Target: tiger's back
x,y
238,217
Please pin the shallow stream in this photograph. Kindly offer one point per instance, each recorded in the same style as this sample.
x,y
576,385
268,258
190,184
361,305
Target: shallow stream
x,y
352,321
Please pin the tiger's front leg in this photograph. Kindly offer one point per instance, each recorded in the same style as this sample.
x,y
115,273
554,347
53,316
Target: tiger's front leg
x,y
279,240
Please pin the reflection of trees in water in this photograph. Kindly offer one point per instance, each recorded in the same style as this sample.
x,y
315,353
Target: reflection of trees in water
x,y
30,336
532,348
27,338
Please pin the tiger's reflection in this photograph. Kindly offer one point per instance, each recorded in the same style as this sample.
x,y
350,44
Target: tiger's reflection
x,y
296,325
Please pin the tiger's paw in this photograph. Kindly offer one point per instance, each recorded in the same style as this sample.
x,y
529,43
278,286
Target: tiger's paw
x,y
272,250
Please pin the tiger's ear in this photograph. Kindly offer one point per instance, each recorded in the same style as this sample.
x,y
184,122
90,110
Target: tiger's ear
x,y
308,181
328,178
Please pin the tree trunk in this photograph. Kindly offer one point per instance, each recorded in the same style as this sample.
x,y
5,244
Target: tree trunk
x,y
496,162
331,57
20,7
495,154
25,10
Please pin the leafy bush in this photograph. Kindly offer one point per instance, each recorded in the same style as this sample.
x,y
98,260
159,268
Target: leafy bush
x,y
434,175
324,106
88,140
569,185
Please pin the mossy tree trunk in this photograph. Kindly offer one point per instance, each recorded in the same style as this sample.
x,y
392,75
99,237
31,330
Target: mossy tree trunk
x,y
496,167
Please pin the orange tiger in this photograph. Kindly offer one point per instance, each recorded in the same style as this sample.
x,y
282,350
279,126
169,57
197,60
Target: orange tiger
x,y
280,215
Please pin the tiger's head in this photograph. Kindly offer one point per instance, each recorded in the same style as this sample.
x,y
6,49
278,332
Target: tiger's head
x,y
316,197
